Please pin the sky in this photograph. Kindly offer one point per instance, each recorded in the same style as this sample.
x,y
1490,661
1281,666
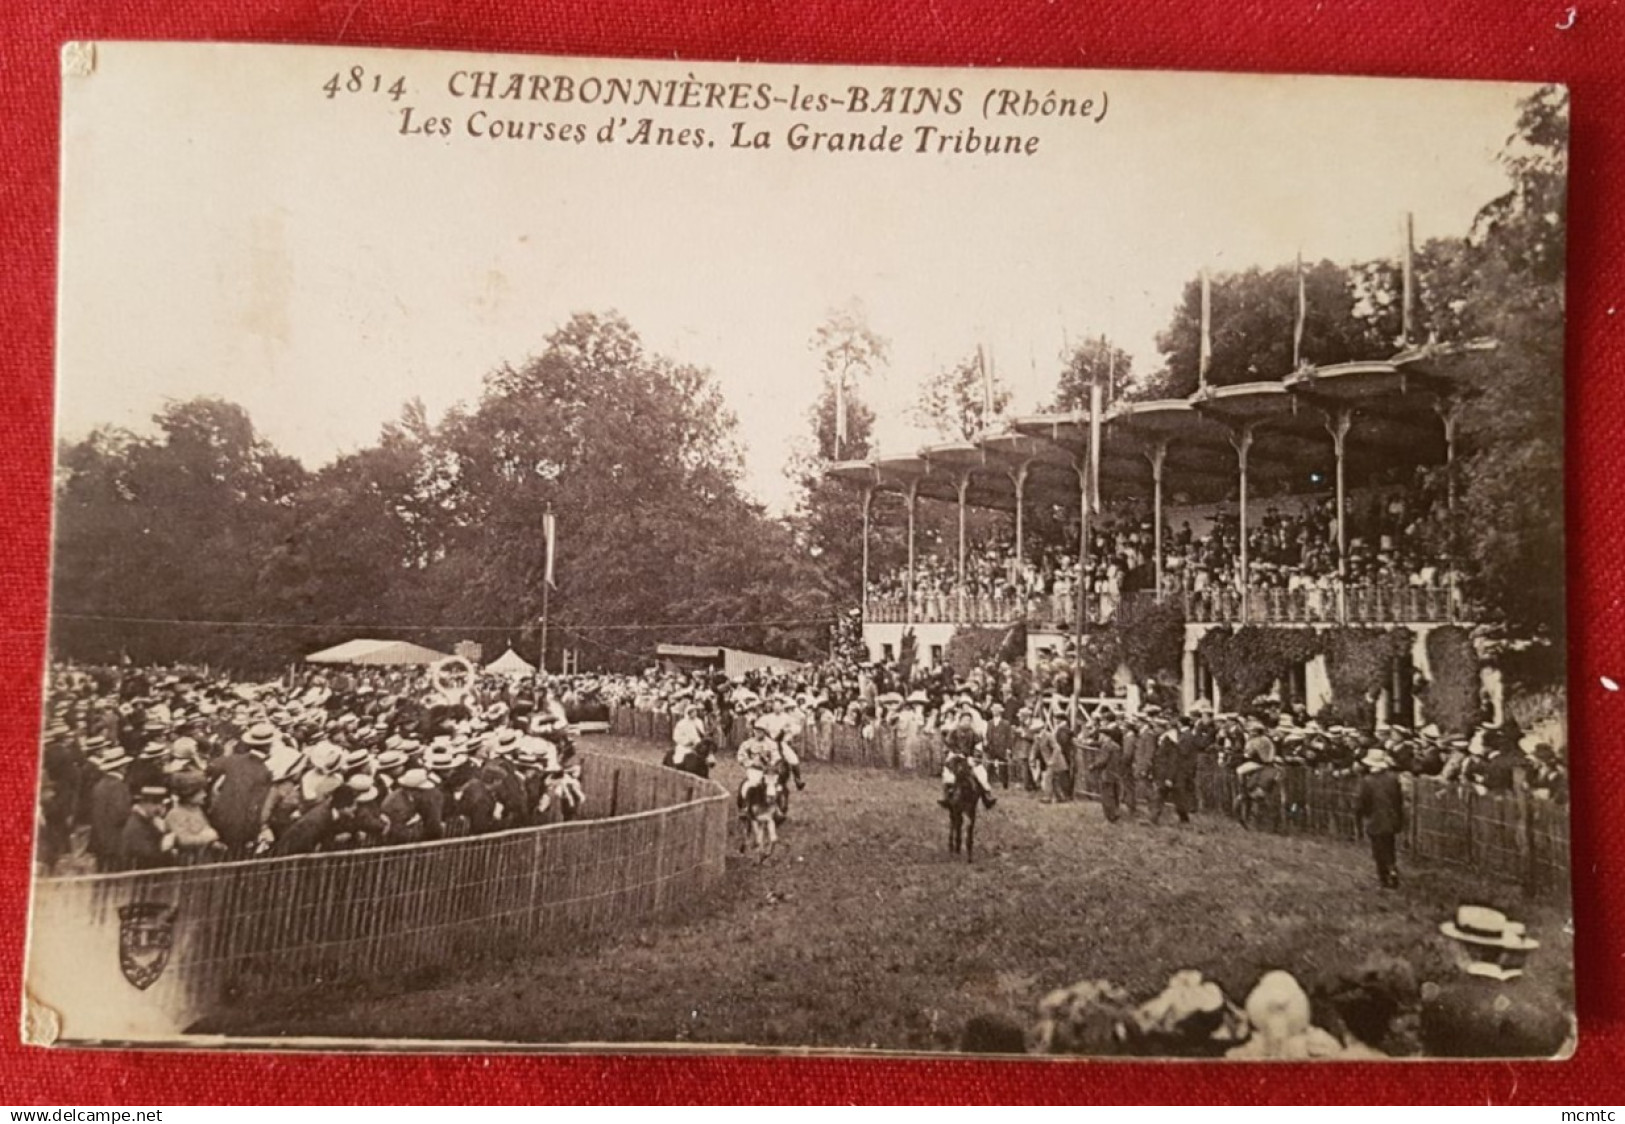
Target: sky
x,y
230,229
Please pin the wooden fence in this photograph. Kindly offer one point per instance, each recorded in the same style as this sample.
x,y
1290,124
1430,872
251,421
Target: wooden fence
x,y
653,839
1507,838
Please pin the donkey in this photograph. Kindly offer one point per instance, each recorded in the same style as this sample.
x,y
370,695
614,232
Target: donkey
x,y
964,795
761,816
1258,795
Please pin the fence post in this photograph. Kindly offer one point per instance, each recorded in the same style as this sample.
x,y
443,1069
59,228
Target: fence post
x,y
1472,824
1526,841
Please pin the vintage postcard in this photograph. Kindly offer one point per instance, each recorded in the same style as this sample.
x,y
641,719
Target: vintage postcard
x,y
562,553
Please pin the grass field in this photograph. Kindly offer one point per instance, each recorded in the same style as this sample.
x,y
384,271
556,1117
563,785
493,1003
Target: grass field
x,y
863,932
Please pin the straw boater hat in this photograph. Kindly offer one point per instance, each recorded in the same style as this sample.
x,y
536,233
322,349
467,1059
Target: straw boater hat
x,y
1487,928
390,759
259,738
919,697
113,757
324,756
416,778
1376,759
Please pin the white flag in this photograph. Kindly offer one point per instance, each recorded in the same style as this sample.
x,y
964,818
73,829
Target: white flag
x,y
550,533
840,412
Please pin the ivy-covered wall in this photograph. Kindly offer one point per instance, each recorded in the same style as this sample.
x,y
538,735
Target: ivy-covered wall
x,y
1247,661
1453,696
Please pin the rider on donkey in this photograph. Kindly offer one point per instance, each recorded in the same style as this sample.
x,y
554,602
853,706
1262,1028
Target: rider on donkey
x,y
784,726
759,756
687,734
964,744
1257,751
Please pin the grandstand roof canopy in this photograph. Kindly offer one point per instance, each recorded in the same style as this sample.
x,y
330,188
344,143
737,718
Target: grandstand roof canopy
x,y
1395,425
385,653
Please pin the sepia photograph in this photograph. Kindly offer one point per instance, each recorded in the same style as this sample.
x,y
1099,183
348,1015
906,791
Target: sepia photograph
x,y
569,554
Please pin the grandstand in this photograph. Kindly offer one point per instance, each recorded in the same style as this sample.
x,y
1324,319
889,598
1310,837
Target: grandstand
x,y
1237,455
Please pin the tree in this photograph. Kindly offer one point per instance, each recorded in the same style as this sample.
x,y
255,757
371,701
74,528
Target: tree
x,y
955,400
1090,361
167,528
849,352
435,530
828,518
1510,467
1252,317
638,459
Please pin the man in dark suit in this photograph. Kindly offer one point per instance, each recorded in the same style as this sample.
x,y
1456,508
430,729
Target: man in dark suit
x,y
321,821
241,789
1001,739
1138,751
1108,772
110,806
65,767
1190,750
1381,809
147,843
1164,767
473,800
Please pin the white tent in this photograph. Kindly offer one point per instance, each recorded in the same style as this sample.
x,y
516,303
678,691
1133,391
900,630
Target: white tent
x,y
387,653
510,663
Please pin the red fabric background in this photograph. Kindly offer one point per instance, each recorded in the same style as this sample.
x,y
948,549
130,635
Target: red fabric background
x,y
1440,38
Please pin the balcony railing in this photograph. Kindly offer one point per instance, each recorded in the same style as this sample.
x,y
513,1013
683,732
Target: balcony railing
x,y
1363,604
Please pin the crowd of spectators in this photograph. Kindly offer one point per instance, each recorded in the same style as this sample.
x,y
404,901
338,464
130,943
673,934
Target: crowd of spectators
x,y
1031,735
154,767
1391,535
146,767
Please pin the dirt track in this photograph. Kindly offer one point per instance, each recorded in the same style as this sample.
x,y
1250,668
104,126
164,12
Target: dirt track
x,y
863,932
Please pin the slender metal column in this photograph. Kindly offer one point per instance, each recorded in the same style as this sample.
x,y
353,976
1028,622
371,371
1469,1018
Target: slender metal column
x,y
1080,587
912,492
1338,426
1157,454
868,502
1242,441
962,485
1450,414
1018,477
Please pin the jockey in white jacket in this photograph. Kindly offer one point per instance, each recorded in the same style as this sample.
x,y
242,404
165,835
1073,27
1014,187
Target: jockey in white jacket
x,y
759,756
687,734
784,726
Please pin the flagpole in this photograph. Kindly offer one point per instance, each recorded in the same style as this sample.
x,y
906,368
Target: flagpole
x,y
1204,357
840,398
1298,324
1111,368
987,387
1089,486
549,533
1407,283
543,663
